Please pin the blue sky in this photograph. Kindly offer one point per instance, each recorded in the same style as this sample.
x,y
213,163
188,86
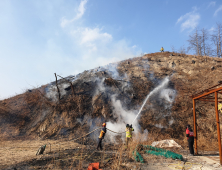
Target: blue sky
x,y
40,38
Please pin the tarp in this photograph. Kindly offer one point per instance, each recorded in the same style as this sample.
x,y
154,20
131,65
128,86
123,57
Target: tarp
x,y
166,144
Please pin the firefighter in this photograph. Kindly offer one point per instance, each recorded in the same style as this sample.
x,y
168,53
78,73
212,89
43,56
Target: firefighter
x,y
162,49
101,136
128,130
190,139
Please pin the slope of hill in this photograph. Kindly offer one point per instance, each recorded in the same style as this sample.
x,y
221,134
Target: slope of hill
x,y
115,93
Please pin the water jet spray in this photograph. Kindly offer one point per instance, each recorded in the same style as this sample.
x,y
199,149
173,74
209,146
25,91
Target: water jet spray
x,y
164,83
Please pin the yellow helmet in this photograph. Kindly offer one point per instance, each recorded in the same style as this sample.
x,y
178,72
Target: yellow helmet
x,y
104,124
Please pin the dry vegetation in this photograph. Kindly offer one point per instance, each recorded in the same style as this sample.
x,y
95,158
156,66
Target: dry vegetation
x,y
20,154
32,119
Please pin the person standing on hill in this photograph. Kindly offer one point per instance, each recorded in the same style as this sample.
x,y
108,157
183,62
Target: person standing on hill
x,y
101,136
128,131
162,49
190,139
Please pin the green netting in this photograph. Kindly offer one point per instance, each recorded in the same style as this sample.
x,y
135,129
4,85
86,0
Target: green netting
x,y
155,151
138,157
167,154
148,147
162,152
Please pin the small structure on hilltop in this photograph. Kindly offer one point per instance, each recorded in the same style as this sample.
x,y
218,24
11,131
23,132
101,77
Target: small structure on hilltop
x,y
207,95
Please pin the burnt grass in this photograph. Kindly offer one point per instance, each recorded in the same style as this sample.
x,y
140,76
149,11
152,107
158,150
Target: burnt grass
x,y
79,158
35,114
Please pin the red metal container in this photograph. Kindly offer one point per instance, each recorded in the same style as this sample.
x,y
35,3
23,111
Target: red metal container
x,y
94,166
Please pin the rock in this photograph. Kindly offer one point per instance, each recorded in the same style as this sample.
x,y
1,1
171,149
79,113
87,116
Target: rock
x,y
212,68
193,61
190,72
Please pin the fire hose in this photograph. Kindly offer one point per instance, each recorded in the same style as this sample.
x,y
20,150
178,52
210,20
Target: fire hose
x,y
95,130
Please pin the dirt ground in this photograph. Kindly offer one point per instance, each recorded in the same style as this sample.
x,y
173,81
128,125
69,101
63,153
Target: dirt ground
x,y
21,154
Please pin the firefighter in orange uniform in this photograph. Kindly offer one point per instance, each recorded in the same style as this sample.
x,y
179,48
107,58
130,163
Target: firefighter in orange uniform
x,y
101,136
190,139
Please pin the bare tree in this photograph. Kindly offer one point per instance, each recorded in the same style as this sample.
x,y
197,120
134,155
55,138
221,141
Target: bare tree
x,y
203,40
217,40
173,48
205,46
195,42
182,50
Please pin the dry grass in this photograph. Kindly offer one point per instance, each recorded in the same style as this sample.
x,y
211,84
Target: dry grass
x,y
12,152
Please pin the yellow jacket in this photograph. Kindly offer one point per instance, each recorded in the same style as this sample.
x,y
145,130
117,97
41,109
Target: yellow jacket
x,y
162,49
129,132
102,133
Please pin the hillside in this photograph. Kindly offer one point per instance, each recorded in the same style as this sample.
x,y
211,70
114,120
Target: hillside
x,y
114,94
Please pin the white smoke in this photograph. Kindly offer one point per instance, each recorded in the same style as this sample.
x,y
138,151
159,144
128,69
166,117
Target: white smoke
x,y
113,69
52,92
160,126
168,94
100,86
154,91
124,116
